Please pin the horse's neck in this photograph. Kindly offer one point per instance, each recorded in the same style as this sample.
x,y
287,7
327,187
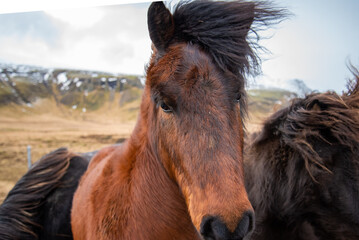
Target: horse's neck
x,y
155,206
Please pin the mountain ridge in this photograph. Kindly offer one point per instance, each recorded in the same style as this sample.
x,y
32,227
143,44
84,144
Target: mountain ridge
x,y
25,85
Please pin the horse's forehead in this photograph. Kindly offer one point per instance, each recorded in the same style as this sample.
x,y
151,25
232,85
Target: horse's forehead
x,y
187,74
186,65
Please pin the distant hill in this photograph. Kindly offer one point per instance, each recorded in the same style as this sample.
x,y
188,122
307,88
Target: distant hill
x,y
77,93
262,102
74,90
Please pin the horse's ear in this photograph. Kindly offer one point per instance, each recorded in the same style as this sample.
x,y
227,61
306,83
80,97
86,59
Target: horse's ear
x,y
315,106
160,25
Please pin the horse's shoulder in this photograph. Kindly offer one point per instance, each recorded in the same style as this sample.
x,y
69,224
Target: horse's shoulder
x,y
90,188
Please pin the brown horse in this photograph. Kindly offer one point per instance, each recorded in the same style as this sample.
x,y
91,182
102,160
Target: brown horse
x,y
302,169
180,175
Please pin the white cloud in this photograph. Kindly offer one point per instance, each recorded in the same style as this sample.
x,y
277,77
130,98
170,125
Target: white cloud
x,y
113,39
14,6
78,18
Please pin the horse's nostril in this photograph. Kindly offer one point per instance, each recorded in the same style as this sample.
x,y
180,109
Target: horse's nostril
x,y
245,225
212,228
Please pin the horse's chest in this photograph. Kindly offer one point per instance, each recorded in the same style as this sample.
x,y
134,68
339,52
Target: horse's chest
x,y
147,222
143,210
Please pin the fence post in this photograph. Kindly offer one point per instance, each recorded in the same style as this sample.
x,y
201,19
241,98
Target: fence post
x,y
29,156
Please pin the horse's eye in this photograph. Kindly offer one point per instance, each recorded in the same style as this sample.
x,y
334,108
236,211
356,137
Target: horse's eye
x,y
166,108
238,98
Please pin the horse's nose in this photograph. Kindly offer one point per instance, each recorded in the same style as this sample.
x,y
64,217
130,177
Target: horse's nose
x,y
213,228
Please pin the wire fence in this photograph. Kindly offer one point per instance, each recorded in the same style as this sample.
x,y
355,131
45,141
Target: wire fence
x,y
29,163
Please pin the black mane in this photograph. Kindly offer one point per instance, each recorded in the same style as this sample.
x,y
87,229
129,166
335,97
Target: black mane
x,y
221,29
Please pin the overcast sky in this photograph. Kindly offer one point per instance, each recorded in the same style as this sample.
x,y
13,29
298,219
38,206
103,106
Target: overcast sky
x,y
314,45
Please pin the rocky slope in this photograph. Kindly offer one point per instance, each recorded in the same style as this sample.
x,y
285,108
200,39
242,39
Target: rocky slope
x,y
76,89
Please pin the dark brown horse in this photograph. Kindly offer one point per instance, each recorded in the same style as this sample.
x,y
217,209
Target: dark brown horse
x,y
38,207
180,175
302,169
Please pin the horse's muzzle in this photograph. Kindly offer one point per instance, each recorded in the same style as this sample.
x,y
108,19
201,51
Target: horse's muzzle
x,y
213,228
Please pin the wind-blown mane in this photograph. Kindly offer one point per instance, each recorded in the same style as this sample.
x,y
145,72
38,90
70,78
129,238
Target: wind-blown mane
x,y
302,169
219,27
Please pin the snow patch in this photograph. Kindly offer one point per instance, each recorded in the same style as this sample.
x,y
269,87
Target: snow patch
x,y
62,78
46,76
65,86
3,76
